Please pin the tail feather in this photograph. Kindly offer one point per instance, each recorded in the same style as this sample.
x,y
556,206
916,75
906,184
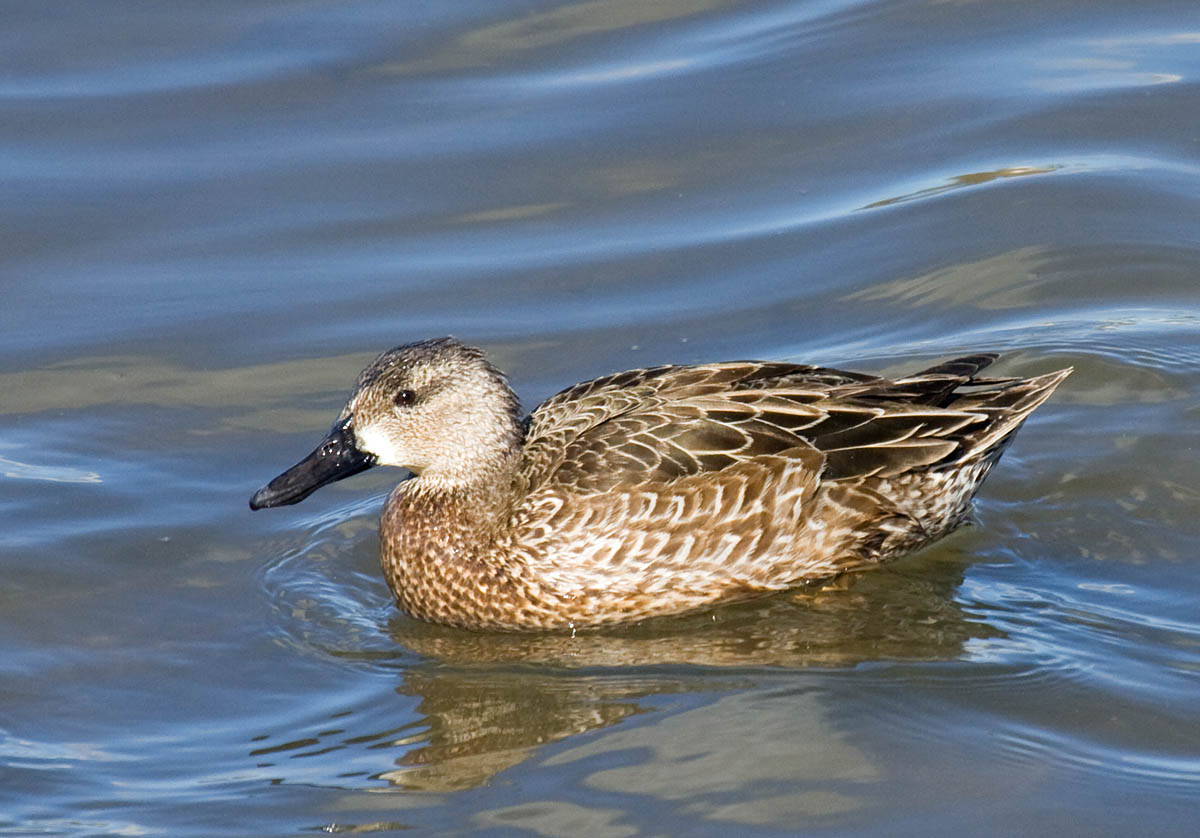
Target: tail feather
x,y
936,385
1009,405
964,368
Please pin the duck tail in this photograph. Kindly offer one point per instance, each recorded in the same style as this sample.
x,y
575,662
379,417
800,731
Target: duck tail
x,y
1007,403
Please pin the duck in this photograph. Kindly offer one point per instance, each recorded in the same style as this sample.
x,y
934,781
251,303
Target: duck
x,y
657,491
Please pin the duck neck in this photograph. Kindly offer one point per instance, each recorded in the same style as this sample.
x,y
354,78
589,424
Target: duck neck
x,y
438,540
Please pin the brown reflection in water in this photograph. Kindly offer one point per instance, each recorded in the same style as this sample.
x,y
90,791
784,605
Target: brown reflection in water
x,y
960,181
496,43
480,722
1024,278
490,699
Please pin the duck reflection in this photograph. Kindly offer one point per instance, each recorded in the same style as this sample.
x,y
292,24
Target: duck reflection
x,y
489,699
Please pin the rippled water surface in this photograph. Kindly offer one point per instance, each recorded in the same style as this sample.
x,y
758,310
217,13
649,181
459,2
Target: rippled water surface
x,y
212,214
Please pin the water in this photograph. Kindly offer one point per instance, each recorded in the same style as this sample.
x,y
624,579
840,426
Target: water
x,y
214,214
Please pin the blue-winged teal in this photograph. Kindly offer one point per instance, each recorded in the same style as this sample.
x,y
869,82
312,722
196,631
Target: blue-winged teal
x,y
655,491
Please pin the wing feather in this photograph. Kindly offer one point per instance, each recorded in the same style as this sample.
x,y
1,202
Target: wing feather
x,y
657,425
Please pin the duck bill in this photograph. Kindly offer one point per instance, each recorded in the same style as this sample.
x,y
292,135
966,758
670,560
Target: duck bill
x,y
337,457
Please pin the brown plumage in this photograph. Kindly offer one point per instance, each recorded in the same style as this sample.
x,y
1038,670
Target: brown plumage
x,y
655,491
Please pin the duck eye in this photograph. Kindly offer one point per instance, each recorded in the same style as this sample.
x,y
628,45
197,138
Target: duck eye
x,y
405,398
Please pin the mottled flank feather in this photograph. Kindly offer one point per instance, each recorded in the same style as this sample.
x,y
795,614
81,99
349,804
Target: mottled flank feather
x,y
662,490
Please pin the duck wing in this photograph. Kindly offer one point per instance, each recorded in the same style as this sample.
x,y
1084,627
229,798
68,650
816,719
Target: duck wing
x,y
656,425
620,417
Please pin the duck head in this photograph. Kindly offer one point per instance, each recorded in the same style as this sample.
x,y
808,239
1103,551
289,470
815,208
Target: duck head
x,y
437,408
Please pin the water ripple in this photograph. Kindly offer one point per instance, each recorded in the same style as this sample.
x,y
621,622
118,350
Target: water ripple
x,y
1045,750
324,585
53,474
175,76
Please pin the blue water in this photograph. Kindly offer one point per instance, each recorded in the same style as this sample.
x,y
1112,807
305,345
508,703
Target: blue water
x,y
212,215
